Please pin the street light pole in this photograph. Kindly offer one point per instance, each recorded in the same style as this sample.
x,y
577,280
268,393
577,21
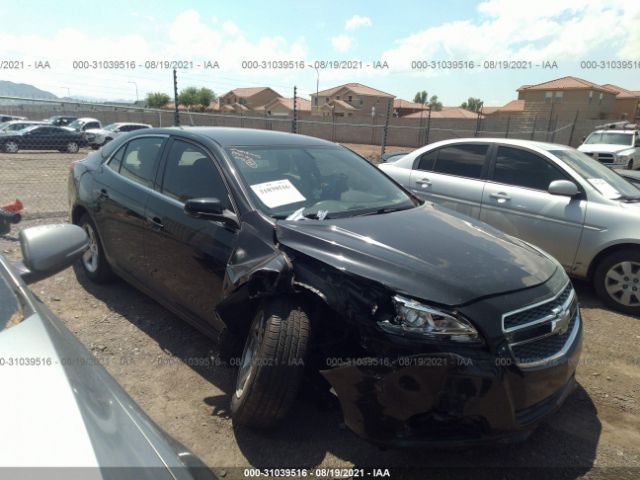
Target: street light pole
x,y
136,85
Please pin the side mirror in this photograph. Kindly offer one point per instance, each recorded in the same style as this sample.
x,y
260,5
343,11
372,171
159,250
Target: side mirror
x,y
49,249
210,208
563,187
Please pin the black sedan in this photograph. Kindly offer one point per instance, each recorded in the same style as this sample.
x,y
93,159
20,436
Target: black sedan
x,y
42,137
301,258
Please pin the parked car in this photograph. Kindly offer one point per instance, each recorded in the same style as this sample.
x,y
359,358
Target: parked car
x,y
60,120
41,137
10,118
60,407
392,156
97,137
553,196
83,124
15,125
296,255
618,147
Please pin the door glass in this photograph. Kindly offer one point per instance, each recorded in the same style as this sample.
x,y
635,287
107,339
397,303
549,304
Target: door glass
x,y
116,159
191,173
461,160
140,160
524,169
428,160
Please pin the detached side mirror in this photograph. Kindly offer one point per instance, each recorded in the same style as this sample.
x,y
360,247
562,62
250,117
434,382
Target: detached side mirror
x,y
210,208
49,249
563,187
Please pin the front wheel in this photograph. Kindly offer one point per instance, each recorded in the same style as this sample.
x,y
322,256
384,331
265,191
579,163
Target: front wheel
x,y
72,147
271,365
94,263
11,147
617,281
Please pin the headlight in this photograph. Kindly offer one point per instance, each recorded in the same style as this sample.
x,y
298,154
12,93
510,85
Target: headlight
x,y
416,319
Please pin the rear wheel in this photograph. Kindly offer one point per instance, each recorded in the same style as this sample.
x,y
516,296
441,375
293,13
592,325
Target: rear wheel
x,y
617,281
94,263
271,364
11,147
72,147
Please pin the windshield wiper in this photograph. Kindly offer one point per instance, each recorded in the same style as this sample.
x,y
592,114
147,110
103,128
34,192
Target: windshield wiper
x,y
383,210
629,198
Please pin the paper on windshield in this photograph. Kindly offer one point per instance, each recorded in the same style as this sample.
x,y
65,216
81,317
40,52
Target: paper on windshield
x,y
604,187
277,193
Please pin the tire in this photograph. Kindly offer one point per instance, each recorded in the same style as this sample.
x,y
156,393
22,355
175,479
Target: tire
x,y
94,262
271,365
11,147
616,280
72,147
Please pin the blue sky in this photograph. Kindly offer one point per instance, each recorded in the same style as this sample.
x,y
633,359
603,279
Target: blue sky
x,y
564,31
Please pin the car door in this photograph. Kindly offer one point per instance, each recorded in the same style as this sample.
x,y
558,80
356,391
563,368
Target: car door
x,y
187,257
452,176
36,139
121,190
516,201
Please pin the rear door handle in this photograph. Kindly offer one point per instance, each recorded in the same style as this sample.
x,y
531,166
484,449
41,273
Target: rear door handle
x,y
425,182
156,223
103,193
501,197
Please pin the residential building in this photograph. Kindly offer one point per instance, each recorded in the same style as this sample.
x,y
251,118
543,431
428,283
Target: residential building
x,y
282,107
244,99
403,108
351,99
446,112
627,105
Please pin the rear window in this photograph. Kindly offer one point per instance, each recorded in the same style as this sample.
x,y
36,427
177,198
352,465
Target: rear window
x,y
10,311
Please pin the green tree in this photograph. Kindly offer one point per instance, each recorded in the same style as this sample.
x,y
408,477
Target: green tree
x,y
472,104
156,99
434,103
205,97
421,97
189,97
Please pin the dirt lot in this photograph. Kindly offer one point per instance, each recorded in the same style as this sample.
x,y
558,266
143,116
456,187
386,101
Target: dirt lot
x,y
167,367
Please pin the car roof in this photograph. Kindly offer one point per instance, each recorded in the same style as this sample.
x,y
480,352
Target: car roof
x,y
87,119
228,136
508,141
614,130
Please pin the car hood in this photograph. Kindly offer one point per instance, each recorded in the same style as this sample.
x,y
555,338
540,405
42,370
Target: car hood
x,y
603,147
97,131
427,252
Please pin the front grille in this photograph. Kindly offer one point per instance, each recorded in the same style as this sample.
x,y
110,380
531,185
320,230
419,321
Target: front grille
x,y
537,312
535,333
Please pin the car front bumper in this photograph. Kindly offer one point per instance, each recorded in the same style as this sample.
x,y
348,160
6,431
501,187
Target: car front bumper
x,y
447,399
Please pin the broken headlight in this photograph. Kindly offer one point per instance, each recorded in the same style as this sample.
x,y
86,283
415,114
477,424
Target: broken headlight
x,y
417,319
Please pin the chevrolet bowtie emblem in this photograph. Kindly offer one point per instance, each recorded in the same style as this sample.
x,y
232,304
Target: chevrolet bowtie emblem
x,y
560,323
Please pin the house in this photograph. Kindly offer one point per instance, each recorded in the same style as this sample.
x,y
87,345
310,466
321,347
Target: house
x,y
627,105
402,107
567,95
281,107
351,99
245,99
446,112
510,108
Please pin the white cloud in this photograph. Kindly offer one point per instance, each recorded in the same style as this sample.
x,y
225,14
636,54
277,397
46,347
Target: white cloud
x,y
553,30
358,21
342,43
230,28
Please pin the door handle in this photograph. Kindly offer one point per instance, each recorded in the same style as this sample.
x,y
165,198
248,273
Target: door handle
x,y
501,197
103,193
425,182
156,223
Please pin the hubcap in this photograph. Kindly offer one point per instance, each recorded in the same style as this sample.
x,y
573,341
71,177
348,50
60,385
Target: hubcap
x,y
622,283
90,258
249,353
72,148
12,147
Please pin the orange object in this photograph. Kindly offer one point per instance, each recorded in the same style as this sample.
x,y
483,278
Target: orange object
x,y
15,206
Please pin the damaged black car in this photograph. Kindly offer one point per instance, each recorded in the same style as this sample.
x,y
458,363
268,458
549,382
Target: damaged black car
x,y
303,260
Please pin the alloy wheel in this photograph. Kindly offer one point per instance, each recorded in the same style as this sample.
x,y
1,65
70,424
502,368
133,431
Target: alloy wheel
x,y
91,257
622,283
251,347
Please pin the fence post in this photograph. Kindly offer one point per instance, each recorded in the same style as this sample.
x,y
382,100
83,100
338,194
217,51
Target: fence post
x,y
426,133
533,130
294,122
176,120
386,128
506,134
555,127
550,120
573,127
478,120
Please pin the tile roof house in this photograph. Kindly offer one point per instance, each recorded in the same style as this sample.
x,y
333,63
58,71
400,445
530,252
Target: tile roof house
x,y
446,112
251,98
402,107
627,105
284,107
350,99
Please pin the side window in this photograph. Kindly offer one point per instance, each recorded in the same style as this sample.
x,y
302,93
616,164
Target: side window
x,y
140,159
461,160
191,173
116,159
427,160
525,169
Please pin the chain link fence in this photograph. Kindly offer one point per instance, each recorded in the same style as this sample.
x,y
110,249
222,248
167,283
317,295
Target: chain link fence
x,y
37,149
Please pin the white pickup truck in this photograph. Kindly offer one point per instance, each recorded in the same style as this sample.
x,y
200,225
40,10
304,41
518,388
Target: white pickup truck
x,y
617,148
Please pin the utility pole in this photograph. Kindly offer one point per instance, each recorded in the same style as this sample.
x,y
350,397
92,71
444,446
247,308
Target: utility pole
x,y
294,122
426,140
176,120
386,128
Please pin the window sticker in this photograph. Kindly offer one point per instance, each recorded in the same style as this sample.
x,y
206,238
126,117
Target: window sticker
x,y
277,193
248,158
604,187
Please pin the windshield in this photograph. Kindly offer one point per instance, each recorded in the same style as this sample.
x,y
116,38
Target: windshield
x,y
605,180
77,124
315,182
111,126
613,138
10,311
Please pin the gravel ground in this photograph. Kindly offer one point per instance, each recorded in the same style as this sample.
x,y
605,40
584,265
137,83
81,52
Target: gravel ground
x,y
167,367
